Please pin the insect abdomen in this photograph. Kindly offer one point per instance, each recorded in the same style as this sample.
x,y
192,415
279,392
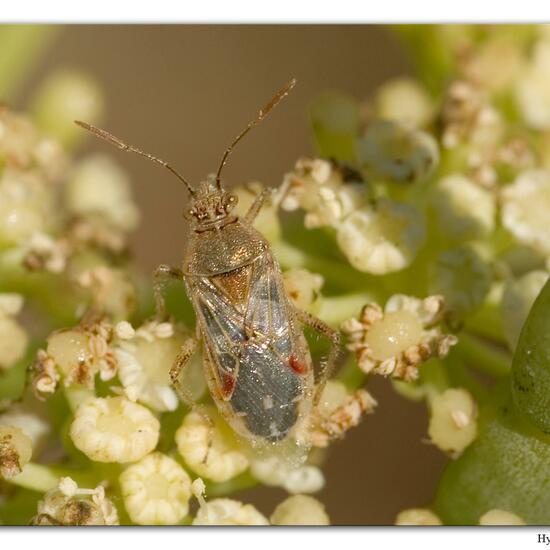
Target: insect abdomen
x,y
266,394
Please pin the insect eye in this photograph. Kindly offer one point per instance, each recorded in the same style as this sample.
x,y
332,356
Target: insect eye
x,y
189,214
231,201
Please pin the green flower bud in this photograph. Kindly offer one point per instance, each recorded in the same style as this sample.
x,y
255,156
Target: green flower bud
x,y
517,300
393,151
462,277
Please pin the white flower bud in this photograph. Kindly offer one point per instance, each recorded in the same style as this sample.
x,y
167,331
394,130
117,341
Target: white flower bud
x,y
198,488
15,451
164,330
464,209
525,205
382,239
156,491
31,424
69,349
23,148
335,394
113,429
533,88
334,205
144,366
64,97
267,220
224,511
319,189
500,517
80,353
485,66
13,342
68,486
42,252
453,420
10,303
320,170
300,510
304,288
98,185
417,516
394,334
274,472
68,504
209,447
124,330
467,117
397,340
404,100
111,288
26,206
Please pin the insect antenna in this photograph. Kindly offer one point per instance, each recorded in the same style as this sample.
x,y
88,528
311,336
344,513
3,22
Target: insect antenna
x,y
113,140
264,111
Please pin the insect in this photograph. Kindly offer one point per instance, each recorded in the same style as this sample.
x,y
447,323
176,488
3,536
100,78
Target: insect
x,y
257,362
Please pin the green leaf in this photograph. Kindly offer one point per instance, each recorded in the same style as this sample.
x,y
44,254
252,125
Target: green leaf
x,y
531,364
335,120
507,467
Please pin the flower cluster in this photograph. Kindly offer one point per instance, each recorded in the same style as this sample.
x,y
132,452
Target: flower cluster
x,y
419,232
395,341
377,237
67,504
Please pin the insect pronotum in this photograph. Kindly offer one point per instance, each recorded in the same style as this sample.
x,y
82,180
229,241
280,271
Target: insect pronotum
x,y
256,360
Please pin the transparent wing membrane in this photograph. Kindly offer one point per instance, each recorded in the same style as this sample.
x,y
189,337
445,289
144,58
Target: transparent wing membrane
x,y
255,347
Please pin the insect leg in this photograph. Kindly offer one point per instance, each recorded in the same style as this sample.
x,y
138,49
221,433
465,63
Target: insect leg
x,y
180,363
162,273
339,421
333,336
256,206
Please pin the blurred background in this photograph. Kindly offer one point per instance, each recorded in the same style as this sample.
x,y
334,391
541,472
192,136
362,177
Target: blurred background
x,y
183,92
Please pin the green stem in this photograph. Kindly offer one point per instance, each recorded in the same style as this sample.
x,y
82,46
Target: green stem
x,y
461,376
240,483
75,395
483,356
351,375
36,477
434,379
336,309
487,322
20,45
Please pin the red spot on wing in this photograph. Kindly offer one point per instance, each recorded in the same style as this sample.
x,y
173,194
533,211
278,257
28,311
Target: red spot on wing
x,y
296,365
228,384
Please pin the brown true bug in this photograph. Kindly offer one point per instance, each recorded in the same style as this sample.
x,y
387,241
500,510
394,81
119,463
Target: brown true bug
x,y
256,360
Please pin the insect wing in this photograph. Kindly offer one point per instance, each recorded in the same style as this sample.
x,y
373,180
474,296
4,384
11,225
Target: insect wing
x,y
223,332
254,352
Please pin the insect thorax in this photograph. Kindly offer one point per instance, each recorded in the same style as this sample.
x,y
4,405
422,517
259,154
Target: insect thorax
x,y
222,250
